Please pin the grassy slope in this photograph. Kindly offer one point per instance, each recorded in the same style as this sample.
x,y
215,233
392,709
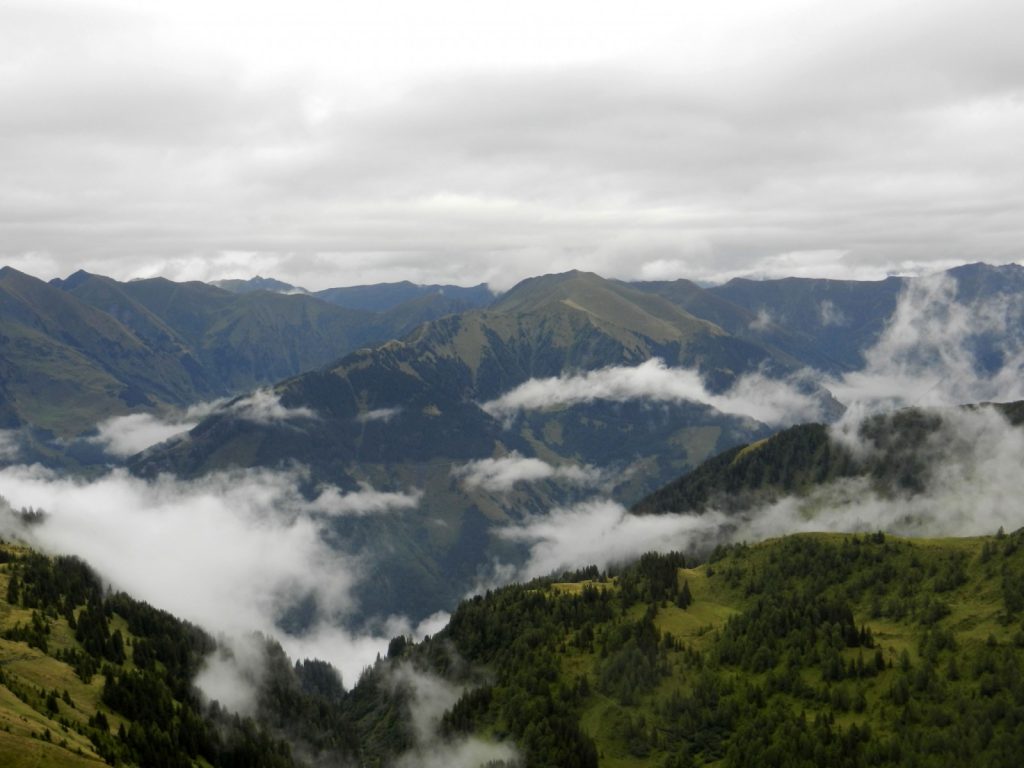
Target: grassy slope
x,y
30,734
977,618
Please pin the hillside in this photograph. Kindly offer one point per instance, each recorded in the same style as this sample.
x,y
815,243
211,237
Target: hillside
x,y
898,456
76,351
809,650
815,649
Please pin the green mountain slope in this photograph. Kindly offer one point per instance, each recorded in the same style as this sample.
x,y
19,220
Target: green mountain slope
x,y
65,364
809,650
897,459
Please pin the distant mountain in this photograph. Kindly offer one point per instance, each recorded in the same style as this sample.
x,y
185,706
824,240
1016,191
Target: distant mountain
x,y
832,320
407,413
65,364
257,284
384,296
77,350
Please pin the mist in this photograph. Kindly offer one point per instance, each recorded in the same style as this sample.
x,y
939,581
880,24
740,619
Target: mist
x,y
429,698
231,552
501,474
975,486
937,350
754,395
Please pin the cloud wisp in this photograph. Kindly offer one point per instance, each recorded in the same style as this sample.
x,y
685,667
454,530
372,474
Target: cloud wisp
x,y
429,698
754,395
264,407
501,474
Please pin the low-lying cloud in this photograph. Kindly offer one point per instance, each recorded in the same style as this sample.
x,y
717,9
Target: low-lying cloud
x,y
755,395
264,407
502,474
127,435
378,414
231,552
975,488
366,501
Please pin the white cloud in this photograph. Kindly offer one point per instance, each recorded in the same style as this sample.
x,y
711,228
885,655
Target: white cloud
x,y
127,435
430,697
772,401
264,407
230,552
831,314
654,138
379,414
599,532
10,445
975,485
501,474
927,352
762,322
365,501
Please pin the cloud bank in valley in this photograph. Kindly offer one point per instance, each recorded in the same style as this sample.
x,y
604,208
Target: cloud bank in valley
x,y
231,552
975,488
755,395
124,436
503,473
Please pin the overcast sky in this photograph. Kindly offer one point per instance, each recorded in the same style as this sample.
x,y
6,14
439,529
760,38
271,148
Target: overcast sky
x,y
332,142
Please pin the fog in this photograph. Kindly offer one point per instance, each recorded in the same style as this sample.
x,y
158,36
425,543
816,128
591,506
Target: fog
x,y
230,552
975,488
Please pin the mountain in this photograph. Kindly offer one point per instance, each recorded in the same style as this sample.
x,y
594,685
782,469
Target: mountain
x,y
65,364
77,350
90,677
837,650
407,414
384,296
898,452
257,284
834,320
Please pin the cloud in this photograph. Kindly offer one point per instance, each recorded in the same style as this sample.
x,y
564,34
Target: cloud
x,y
10,445
936,350
127,435
429,698
264,407
365,501
379,414
974,487
710,140
831,314
772,401
231,552
600,532
501,474
762,322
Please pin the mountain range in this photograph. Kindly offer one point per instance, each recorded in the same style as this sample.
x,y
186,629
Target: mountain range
x,y
398,392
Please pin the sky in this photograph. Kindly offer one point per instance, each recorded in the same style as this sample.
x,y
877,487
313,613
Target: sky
x,y
327,142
